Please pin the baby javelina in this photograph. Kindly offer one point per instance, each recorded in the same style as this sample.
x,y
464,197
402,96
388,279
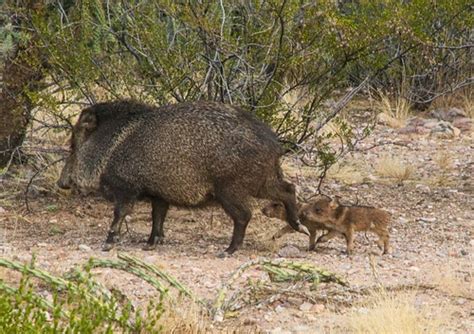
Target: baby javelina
x,y
347,220
277,210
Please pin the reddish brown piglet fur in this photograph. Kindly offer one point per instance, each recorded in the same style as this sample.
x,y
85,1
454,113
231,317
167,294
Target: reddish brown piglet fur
x,y
347,220
277,210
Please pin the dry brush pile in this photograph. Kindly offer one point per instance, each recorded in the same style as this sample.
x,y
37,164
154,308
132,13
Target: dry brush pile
x,y
77,302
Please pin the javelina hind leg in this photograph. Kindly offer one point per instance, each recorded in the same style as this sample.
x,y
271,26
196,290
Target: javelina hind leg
x,y
159,210
122,208
239,212
285,192
384,238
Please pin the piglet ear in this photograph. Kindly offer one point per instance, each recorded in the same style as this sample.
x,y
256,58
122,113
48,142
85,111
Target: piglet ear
x,y
88,121
334,203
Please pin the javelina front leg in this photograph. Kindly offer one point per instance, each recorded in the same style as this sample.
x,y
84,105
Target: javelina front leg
x,y
240,214
350,241
159,210
120,211
384,242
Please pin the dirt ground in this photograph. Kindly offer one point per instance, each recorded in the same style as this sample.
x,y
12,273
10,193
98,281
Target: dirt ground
x,y
432,239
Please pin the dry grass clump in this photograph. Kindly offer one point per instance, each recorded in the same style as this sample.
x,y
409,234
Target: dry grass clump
x,y
390,313
388,166
182,317
393,112
453,283
347,174
468,104
444,162
463,99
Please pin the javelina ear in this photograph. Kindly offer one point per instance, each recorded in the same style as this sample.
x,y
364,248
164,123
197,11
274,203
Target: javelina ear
x,y
88,121
334,203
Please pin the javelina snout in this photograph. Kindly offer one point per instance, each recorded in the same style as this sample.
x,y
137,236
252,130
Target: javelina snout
x,y
184,154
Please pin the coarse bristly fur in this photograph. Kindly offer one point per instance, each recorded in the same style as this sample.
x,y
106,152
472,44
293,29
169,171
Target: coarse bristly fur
x,y
185,154
347,220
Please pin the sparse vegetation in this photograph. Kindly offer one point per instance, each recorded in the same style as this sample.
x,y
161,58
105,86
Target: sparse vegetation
x,y
321,74
392,168
444,164
349,174
393,111
454,283
392,313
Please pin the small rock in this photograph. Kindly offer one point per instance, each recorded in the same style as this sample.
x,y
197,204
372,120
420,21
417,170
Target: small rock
x,y
439,113
305,307
289,251
128,219
464,252
301,329
430,123
363,310
461,301
453,254
427,219
423,188
53,221
444,130
2,210
456,131
416,121
403,220
84,248
464,124
412,130
250,321
278,330
318,308
454,113
42,244
279,309
414,268
219,317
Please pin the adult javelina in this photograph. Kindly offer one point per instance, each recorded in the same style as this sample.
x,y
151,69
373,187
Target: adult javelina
x,y
184,154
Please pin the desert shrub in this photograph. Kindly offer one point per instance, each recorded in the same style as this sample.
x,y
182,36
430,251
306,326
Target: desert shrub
x,y
284,61
74,309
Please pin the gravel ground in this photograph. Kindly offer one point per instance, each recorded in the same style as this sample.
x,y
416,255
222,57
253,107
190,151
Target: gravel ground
x,y
432,239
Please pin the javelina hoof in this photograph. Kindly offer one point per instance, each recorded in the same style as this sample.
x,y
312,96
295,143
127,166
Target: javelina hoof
x,y
153,242
223,255
149,247
108,246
